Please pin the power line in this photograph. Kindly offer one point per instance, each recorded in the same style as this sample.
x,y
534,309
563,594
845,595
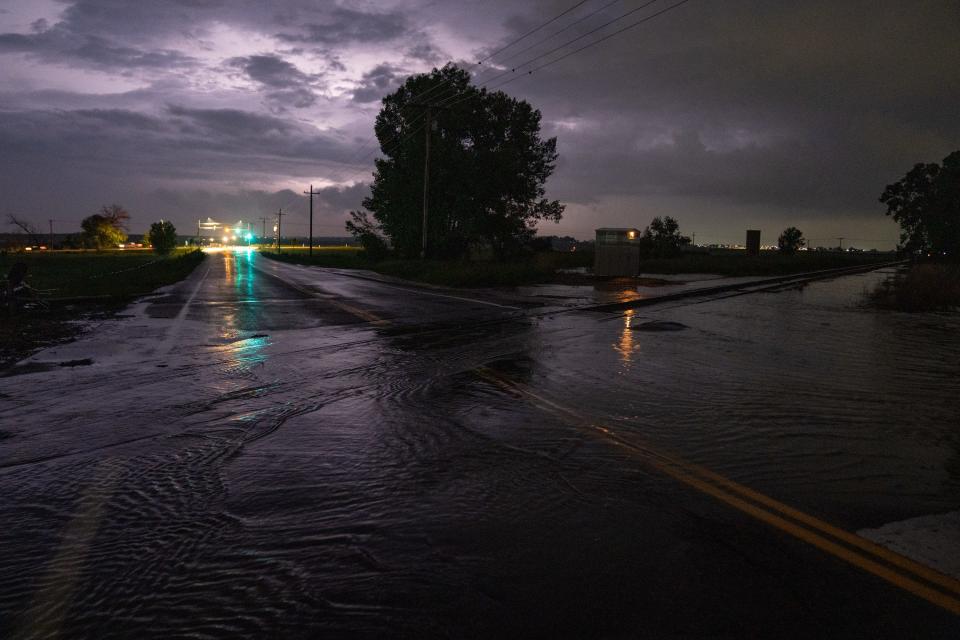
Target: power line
x,y
444,81
534,30
556,33
568,42
578,50
608,36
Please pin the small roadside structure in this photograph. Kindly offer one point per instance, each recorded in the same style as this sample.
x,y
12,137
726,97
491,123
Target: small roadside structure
x,y
617,252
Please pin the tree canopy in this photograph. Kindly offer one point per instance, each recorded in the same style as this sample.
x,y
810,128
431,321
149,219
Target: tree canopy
x,y
790,240
488,168
662,238
162,236
926,205
105,229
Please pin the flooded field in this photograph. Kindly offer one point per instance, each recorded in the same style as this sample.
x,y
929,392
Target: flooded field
x,y
272,450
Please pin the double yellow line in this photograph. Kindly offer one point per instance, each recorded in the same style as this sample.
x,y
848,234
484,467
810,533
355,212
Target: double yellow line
x,y
898,570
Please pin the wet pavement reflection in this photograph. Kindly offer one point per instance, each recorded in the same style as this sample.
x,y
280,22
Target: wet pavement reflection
x,y
281,451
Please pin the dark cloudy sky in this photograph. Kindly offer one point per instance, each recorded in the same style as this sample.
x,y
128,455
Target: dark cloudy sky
x,y
725,114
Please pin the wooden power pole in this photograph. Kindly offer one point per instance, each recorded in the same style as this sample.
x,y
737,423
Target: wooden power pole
x,y
311,193
426,173
426,186
263,234
279,228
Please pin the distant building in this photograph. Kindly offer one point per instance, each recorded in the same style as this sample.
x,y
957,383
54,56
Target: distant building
x,y
617,252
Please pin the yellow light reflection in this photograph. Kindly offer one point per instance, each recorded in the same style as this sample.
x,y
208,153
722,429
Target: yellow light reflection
x,y
625,346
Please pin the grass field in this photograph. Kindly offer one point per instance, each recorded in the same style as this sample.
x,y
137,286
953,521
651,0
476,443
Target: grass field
x,y
538,268
768,263
922,287
81,285
542,267
118,274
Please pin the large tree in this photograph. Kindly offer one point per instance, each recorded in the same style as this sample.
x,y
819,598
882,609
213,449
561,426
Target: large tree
x,y
662,239
162,237
105,229
926,204
791,240
488,168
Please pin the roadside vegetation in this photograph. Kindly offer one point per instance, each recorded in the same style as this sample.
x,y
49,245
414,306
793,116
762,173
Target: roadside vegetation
x,y
535,268
80,285
921,287
734,262
89,274
925,202
555,266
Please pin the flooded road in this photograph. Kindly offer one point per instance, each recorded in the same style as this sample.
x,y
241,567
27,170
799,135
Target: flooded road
x,y
271,450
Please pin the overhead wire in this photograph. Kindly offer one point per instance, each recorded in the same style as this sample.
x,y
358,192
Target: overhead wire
x,y
457,98
569,42
366,148
556,33
533,31
575,51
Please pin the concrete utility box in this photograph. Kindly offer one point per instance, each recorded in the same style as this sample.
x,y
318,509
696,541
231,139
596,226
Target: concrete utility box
x,y
617,252
753,242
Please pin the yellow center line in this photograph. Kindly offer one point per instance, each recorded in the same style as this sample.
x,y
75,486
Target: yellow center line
x,y
724,489
363,314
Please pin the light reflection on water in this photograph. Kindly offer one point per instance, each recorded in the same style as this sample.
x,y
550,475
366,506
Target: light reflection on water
x,y
803,392
383,486
240,276
625,345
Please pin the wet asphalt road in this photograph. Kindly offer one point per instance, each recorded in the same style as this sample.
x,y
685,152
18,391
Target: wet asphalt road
x,y
278,451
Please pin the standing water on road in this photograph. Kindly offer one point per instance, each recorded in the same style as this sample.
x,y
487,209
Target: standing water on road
x,y
269,450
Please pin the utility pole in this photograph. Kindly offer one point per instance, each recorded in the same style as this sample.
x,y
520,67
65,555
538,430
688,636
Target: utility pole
x,y
311,193
279,232
694,241
263,235
426,184
51,233
841,243
426,171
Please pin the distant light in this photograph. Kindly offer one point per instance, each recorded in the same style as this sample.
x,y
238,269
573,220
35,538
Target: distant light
x,y
249,237
28,248
226,239
631,234
121,246
43,248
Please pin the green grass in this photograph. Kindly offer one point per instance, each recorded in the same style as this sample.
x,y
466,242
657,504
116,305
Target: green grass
x,y
922,287
118,274
454,273
89,284
768,263
542,267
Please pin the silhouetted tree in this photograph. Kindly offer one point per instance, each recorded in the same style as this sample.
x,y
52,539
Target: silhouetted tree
x,y
662,238
790,240
105,229
488,168
374,246
26,226
926,204
162,236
